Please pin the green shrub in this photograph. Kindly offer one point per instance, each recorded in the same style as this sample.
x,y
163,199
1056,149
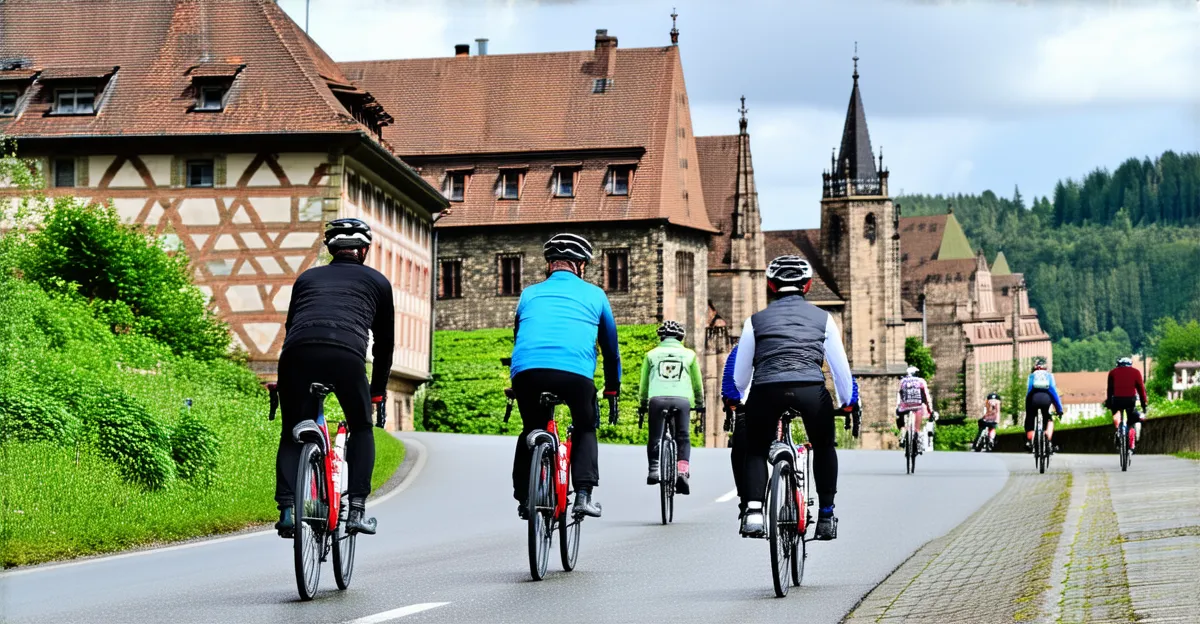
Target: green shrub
x,y
1192,395
195,448
27,415
137,285
123,430
955,437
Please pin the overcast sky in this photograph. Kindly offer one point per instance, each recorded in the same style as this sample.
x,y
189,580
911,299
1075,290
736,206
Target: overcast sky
x,y
962,96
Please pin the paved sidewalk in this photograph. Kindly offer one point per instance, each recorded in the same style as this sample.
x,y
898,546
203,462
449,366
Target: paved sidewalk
x,y
1082,543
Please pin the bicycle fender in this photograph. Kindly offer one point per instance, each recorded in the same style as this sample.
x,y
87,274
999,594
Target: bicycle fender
x,y
778,451
538,437
308,431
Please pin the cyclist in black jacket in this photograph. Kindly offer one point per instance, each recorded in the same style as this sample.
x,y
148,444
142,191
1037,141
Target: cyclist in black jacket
x,y
331,311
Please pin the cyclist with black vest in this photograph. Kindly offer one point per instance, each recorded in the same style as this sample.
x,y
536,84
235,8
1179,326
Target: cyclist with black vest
x,y
332,309
781,353
558,323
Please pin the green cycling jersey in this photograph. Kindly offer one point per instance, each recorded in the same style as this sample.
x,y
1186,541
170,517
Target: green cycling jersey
x,y
672,370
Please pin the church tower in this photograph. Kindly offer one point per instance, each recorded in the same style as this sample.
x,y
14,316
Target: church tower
x,y
747,261
860,245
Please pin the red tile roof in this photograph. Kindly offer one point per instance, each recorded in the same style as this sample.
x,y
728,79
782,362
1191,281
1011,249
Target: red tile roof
x,y
805,243
1086,387
718,177
534,107
155,43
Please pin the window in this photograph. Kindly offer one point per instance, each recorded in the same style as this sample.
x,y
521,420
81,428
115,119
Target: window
x,y
618,180
200,173
211,98
616,271
684,273
835,234
601,85
456,185
509,184
8,102
64,172
81,101
510,275
869,228
450,286
564,182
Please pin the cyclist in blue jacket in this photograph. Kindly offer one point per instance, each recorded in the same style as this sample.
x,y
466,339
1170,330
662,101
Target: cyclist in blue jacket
x,y
1040,393
558,323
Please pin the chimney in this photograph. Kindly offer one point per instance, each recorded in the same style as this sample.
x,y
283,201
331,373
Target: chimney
x,y
606,51
462,49
482,46
604,40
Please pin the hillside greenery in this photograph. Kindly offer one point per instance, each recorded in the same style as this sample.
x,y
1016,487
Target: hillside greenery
x,y
1093,353
1125,261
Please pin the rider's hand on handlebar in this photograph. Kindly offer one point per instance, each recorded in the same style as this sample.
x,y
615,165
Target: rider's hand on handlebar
x,y
611,395
380,410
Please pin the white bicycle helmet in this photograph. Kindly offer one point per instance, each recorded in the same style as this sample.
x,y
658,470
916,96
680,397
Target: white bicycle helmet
x,y
789,272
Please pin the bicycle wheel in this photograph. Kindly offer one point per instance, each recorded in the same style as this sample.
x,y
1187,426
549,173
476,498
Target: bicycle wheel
x,y
666,483
1041,452
800,550
311,517
568,540
910,452
343,549
1123,449
541,509
781,525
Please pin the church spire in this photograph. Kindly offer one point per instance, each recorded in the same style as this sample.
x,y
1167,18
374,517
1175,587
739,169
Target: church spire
x,y
745,200
855,160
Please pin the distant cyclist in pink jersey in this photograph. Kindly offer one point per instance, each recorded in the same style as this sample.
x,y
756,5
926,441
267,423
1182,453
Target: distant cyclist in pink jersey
x,y
913,396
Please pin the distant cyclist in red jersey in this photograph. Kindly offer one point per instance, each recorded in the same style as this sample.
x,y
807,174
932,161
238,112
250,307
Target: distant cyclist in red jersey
x,y
1125,388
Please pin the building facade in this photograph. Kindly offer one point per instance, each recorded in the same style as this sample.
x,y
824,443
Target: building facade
x,y
229,134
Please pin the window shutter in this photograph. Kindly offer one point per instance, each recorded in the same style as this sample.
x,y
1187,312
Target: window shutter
x,y
219,170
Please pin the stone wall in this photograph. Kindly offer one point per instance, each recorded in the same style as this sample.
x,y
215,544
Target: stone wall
x,y
1169,434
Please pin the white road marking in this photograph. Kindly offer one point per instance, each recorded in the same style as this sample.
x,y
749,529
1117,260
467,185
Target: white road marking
x,y
422,456
396,614
727,496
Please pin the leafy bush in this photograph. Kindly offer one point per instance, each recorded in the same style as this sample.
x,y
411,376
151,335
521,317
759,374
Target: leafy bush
x,y
137,286
125,432
195,448
955,437
1171,342
919,355
1192,395
28,415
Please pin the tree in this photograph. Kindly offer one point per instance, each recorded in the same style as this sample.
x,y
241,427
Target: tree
x,y
1017,200
1170,343
919,355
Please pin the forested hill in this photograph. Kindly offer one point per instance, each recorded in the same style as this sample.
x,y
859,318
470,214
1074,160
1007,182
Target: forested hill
x,y
1117,250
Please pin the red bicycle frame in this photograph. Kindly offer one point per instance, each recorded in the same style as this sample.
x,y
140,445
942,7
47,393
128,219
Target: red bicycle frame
x,y
803,458
331,484
562,467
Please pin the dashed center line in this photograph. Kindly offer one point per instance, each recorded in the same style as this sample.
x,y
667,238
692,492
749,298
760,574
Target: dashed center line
x,y
727,496
396,614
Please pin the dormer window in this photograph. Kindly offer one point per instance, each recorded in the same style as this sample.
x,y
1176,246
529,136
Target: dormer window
x,y
601,85
75,101
619,177
456,185
211,98
563,182
8,102
508,185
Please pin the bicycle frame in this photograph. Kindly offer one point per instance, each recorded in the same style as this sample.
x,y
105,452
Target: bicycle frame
x,y
335,495
784,444
562,465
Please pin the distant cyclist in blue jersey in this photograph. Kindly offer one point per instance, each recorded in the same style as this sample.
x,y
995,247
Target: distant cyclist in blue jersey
x,y
558,323
1040,394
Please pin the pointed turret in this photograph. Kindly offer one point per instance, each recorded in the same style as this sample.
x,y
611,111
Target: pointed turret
x,y
955,245
1000,265
745,200
855,160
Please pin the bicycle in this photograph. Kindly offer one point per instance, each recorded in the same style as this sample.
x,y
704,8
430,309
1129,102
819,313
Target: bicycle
x,y
1041,446
320,518
911,439
1125,441
983,442
668,458
549,488
789,502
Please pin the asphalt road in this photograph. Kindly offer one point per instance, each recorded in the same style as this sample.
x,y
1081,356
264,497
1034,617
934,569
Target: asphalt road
x,y
452,536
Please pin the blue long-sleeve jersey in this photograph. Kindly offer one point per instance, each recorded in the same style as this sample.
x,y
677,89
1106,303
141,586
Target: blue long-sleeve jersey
x,y
559,321
728,387
1044,381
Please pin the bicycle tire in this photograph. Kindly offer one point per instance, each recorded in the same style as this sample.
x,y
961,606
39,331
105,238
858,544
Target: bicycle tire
x,y
781,499
541,509
666,481
308,541
568,540
910,452
1041,452
800,550
344,545
1124,449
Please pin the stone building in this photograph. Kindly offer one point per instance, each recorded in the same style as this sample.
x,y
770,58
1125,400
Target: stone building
x,y
227,132
597,142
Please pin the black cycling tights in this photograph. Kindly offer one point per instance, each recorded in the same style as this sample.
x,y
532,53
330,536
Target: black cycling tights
x,y
681,422
301,366
579,393
754,433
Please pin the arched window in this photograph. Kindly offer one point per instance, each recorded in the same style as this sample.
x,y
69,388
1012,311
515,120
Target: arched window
x,y
869,228
872,353
835,234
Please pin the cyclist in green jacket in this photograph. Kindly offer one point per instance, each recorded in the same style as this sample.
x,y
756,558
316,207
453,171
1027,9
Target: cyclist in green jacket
x,y
671,379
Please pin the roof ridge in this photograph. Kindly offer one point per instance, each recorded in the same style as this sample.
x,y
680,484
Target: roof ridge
x,y
489,55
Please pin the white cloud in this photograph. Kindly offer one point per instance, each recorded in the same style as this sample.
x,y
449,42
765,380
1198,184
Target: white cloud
x,y
1126,55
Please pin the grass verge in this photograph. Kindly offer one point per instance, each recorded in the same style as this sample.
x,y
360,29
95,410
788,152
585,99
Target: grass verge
x,y
61,506
1188,455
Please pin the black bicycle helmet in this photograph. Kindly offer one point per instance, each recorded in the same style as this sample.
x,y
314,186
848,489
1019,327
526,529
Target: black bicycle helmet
x,y
670,329
789,271
347,234
567,247
993,397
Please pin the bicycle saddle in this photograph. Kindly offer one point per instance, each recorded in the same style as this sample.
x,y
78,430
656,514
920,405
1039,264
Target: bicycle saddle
x,y
320,389
549,398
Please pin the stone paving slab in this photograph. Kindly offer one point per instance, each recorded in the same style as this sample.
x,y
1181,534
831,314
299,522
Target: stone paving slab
x,y
1082,543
